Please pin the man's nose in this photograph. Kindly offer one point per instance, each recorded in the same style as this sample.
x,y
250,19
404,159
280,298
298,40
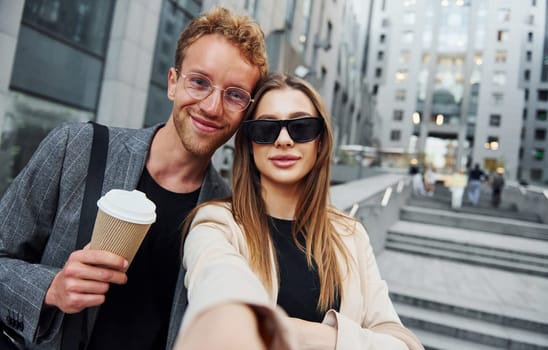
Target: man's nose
x,y
213,104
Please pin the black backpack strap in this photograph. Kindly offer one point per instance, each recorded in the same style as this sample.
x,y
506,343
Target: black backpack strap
x,y
94,183
75,335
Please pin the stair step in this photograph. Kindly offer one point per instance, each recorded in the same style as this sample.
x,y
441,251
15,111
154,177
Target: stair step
x,y
469,259
467,249
436,341
483,208
511,227
469,237
474,330
469,311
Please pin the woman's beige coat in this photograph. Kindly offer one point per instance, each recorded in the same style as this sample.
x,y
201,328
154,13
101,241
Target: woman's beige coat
x,y
216,261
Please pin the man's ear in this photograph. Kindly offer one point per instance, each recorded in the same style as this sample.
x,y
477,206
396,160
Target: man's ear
x,y
171,83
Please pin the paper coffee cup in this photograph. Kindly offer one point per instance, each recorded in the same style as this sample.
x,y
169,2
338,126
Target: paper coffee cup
x,y
122,222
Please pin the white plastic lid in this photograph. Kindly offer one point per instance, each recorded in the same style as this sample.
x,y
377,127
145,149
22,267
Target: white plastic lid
x,y
132,206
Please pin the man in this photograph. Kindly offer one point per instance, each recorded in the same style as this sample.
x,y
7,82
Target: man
x,y
219,58
497,183
475,178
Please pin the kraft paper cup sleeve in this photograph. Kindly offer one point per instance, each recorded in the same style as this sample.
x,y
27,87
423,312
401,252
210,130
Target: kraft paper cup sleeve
x,y
123,220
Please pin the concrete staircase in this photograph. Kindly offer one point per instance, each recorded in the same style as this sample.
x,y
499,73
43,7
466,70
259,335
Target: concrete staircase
x,y
469,279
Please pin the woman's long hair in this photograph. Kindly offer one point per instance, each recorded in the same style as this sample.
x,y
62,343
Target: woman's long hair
x,y
312,216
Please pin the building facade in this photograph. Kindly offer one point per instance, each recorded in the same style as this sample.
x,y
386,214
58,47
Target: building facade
x,y
458,82
108,60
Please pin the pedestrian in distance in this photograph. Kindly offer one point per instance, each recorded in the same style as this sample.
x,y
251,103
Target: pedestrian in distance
x,y
430,180
417,181
278,240
475,179
219,58
497,184
456,183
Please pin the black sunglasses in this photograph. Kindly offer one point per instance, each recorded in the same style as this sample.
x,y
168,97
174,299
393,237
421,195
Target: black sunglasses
x,y
266,131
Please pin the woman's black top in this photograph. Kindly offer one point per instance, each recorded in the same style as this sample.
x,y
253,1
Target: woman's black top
x,y
299,285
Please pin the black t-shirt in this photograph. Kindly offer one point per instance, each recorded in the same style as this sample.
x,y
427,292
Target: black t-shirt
x,y
136,315
476,174
299,286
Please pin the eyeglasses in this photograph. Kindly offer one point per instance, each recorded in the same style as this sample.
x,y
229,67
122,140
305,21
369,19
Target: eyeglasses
x,y
199,87
266,131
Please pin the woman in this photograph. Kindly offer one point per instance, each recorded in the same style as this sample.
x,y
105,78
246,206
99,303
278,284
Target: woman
x,y
279,240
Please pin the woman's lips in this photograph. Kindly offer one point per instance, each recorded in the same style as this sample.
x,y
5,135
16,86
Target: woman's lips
x,y
284,161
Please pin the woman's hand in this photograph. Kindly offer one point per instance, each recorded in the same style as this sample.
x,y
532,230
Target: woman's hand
x,y
313,335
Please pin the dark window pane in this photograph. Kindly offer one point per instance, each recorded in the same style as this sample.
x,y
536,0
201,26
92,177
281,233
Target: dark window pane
x,y
84,23
494,120
536,174
47,67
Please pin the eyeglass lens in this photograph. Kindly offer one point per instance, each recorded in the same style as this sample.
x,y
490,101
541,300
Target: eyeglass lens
x,y
200,87
266,131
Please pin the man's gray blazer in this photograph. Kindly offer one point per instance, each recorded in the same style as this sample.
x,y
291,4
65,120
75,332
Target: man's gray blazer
x,y
39,216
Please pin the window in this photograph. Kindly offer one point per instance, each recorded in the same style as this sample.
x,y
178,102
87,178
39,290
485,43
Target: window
x,y
526,94
500,56
400,95
405,57
540,134
395,135
527,75
398,115
378,72
520,153
538,153
492,143
536,174
409,18
503,15
401,75
530,20
499,78
82,23
502,35
382,38
528,56
380,55
375,89
524,114
494,120
542,95
498,97
407,37
541,115
530,37
385,23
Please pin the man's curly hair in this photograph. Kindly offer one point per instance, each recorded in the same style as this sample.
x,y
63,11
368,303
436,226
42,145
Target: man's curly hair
x,y
242,31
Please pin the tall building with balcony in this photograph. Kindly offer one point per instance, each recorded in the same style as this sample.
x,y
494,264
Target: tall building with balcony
x,y
451,82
